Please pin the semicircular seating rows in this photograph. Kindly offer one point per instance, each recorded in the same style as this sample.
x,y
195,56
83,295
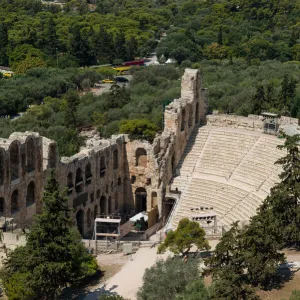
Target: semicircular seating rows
x,y
228,170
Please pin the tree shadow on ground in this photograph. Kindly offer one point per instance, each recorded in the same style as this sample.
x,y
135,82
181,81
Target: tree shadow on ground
x,y
282,276
82,290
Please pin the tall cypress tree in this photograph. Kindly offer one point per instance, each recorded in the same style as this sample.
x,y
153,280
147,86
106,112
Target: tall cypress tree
x,y
53,255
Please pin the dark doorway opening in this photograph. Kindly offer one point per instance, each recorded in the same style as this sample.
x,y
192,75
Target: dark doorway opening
x,y
103,206
140,200
80,221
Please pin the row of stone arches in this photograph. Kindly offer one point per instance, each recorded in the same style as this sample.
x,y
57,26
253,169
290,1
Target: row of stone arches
x,y
190,119
105,208
15,162
15,199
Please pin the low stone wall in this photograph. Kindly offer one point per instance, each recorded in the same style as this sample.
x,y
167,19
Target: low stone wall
x,y
252,122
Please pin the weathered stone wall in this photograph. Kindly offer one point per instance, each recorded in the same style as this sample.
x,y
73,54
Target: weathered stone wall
x,y
21,176
180,118
115,176
252,122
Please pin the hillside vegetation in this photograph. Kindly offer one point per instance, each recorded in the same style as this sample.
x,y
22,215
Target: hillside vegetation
x,y
248,52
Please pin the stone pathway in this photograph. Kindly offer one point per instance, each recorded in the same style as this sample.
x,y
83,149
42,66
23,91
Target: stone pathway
x,y
127,282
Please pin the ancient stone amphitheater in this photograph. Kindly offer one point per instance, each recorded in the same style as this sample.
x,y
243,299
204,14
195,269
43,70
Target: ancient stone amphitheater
x,y
215,169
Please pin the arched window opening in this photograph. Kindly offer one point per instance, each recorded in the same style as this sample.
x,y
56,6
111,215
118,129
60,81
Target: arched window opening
x,y
197,113
79,181
116,200
80,221
2,206
183,120
119,181
190,121
95,212
14,161
140,200
2,172
141,157
88,174
30,154
109,205
116,159
92,197
30,196
88,218
52,156
14,202
70,184
153,199
98,194
103,206
102,166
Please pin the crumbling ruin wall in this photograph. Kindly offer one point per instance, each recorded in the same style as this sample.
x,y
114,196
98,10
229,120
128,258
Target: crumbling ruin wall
x,y
21,176
152,174
115,176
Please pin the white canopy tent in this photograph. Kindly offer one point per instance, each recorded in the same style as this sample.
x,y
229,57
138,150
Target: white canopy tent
x,y
139,216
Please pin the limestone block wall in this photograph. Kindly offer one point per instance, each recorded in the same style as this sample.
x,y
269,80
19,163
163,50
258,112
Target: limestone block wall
x,y
93,180
151,166
115,176
21,176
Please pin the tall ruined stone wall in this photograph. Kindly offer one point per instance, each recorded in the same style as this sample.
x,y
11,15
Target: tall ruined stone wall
x,y
151,174
93,179
115,176
21,176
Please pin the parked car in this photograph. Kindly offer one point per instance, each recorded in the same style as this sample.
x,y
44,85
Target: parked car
x,y
121,79
108,81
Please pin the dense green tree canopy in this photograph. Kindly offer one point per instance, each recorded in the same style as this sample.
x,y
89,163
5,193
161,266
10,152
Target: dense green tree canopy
x,y
172,278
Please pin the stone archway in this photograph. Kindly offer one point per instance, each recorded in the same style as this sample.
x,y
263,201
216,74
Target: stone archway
x,y
30,196
141,157
103,205
95,212
15,206
140,200
80,221
30,155
14,161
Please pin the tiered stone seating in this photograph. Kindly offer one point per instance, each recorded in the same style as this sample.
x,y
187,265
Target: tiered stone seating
x,y
245,159
217,196
189,158
243,211
258,165
224,151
